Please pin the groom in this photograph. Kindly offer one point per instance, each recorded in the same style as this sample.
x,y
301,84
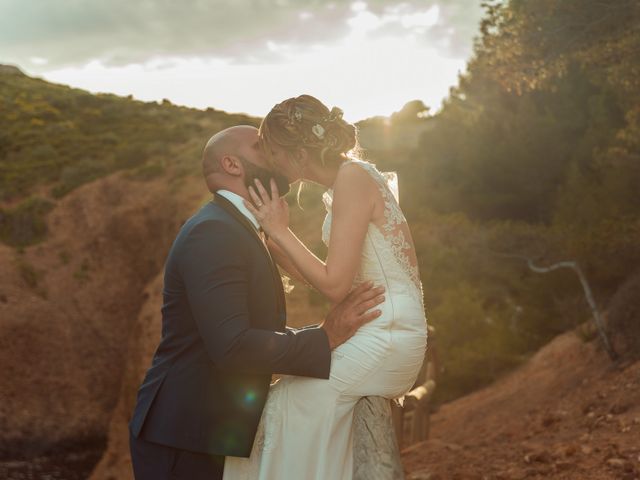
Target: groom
x,y
223,328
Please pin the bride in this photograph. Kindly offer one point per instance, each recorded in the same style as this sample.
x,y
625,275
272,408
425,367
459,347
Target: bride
x,y
306,427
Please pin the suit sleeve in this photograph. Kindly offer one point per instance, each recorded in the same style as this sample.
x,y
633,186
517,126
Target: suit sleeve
x,y
215,273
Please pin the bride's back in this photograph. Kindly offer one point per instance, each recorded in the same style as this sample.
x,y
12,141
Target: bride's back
x,y
388,253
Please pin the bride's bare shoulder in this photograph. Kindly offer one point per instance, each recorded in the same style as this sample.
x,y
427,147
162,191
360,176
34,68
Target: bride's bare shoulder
x,y
354,182
354,173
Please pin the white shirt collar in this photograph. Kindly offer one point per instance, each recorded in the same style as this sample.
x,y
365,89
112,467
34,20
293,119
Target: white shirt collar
x,y
238,202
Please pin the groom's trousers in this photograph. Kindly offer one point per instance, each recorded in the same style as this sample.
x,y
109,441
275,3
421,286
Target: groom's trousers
x,y
152,461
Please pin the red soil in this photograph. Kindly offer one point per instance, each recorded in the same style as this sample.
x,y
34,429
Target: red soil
x,y
569,413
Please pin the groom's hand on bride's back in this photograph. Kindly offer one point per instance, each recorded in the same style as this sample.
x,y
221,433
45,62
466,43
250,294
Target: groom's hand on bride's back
x,y
353,312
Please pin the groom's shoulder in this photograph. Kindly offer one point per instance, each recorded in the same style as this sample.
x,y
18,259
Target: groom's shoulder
x,y
209,211
209,231
210,216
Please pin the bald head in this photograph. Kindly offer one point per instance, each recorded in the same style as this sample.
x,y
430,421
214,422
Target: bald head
x,y
226,156
230,141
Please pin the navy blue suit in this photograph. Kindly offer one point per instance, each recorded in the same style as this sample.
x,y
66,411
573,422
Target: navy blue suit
x,y
223,335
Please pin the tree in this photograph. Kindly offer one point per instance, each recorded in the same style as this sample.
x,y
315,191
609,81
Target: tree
x,y
413,111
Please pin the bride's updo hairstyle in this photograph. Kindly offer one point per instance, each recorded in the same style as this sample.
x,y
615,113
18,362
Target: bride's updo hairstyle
x,y
306,122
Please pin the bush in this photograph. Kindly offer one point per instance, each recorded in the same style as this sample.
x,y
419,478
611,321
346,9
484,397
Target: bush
x,y
147,171
51,133
624,317
25,224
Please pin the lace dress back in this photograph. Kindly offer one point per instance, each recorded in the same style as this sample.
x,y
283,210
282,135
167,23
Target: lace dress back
x,y
388,253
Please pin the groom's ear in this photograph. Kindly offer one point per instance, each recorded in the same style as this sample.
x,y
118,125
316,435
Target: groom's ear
x,y
231,165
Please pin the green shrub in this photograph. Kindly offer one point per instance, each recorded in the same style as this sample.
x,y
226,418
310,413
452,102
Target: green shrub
x,y
76,175
82,273
147,171
65,257
30,275
53,133
25,224
624,317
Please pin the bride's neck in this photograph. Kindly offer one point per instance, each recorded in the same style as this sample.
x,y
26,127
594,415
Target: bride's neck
x,y
322,174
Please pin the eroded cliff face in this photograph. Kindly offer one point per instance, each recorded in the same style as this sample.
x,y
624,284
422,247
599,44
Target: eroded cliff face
x,y
115,462
70,308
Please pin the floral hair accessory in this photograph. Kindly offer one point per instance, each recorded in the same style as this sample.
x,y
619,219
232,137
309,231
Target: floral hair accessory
x,y
318,131
335,114
295,116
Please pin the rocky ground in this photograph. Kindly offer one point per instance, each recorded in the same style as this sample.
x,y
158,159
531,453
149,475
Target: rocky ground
x,y
73,463
569,413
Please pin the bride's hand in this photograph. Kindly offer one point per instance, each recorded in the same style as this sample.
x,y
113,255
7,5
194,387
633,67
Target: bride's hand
x,y
272,212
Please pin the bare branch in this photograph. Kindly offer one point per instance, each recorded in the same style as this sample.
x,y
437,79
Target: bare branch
x,y
573,265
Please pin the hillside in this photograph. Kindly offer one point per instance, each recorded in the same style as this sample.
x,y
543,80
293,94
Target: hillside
x,y
83,230
57,138
54,138
569,413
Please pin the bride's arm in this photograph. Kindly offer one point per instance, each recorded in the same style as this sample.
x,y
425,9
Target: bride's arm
x,y
352,209
283,261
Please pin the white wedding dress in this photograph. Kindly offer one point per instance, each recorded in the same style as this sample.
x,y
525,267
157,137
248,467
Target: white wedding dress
x,y
306,428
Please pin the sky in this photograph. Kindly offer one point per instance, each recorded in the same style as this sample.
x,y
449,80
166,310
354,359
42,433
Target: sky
x,y
366,57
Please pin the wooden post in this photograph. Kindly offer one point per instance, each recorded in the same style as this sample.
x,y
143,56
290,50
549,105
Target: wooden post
x,y
375,450
397,416
417,403
427,421
417,400
417,429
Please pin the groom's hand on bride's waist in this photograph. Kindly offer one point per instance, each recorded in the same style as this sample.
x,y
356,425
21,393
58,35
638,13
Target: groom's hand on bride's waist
x,y
353,312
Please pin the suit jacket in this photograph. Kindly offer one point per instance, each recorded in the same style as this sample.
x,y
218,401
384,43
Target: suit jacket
x,y
223,335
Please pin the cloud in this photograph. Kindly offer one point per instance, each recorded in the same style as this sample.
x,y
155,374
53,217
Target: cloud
x,y
47,34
